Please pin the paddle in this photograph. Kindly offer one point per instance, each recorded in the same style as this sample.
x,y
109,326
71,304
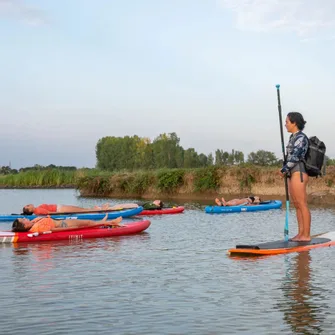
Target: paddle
x,y
284,158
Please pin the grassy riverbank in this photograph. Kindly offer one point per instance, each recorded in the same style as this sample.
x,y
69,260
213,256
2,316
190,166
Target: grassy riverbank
x,y
200,183
51,178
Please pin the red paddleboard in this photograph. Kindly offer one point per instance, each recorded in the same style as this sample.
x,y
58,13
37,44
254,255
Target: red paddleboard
x,y
75,234
282,247
173,210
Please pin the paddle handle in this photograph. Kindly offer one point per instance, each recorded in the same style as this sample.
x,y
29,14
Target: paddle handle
x,y
281,123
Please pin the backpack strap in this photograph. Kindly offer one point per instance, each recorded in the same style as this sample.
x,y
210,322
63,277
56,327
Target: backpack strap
x,y
303,160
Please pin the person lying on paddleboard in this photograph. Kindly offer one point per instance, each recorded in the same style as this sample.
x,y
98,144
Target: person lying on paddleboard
x,y
53,208
149,205
252,200
46,224
156,204
45,209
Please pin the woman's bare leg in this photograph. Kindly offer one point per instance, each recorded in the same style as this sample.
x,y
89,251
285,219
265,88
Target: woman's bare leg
x,y
299,217
298,191
88,223
236,202
74,209
218,202
124,206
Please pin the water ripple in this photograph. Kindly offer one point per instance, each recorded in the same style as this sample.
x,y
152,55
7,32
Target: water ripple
x,y
174,279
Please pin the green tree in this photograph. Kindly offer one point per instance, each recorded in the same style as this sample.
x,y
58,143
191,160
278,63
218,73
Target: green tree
x,y
329,161
108,153
5,170
210,160
166,150
202,160
218,157
238,157
263,158
225,158
190,158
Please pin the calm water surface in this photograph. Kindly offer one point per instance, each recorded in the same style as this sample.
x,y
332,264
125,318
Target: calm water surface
x,y
174,279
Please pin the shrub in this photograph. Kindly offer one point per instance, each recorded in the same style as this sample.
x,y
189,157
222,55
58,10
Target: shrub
x,y
170,180
206,179
141,182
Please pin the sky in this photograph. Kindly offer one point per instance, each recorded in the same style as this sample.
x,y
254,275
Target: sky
x,y
75,71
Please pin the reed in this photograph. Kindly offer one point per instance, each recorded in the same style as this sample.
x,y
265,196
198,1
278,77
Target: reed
x,y
41,178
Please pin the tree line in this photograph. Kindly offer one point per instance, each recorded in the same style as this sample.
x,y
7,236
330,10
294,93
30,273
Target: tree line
x,y
136,153
133,153
5,170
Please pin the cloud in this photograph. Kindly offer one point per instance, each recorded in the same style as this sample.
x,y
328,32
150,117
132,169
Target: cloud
x,y
305,18
18,9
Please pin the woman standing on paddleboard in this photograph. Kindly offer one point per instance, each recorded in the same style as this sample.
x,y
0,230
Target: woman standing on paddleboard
x,y
295,170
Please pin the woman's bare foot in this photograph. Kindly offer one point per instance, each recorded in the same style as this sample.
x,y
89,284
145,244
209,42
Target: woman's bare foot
x,y
115,222
218,202
105,206
105,218
300,238
295,238
223,202
304,239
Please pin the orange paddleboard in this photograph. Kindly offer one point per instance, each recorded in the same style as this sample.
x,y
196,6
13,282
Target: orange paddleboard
x,y
282,247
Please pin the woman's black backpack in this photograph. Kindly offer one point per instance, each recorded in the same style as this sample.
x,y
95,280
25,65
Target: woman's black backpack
x,y
315,157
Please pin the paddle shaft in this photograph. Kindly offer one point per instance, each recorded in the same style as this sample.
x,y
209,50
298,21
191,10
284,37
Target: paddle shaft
x,y
284,159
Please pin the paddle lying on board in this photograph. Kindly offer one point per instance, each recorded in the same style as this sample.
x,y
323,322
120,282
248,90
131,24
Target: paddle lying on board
x,y
284,158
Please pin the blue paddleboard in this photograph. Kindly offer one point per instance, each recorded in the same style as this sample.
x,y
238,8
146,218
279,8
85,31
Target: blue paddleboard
x,y
263,206
83,216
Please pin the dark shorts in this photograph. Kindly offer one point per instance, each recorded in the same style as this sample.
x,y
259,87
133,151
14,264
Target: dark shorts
x,y
297,168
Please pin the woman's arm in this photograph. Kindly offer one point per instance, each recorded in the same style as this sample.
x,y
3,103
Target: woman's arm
x,y
78,224
300,148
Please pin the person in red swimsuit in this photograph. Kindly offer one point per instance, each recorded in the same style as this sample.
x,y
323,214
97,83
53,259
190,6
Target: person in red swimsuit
x,y
45,209
46,224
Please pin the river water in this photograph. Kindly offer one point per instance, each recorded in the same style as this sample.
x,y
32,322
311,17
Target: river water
x,y
174,279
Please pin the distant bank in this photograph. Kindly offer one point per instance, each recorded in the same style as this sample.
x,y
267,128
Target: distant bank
x,y
200,183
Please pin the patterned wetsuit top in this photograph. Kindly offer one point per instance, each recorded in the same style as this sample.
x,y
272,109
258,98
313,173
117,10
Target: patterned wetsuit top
x,y
296,150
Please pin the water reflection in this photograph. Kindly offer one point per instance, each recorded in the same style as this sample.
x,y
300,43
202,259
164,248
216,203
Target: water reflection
x,y
68,249
304,303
